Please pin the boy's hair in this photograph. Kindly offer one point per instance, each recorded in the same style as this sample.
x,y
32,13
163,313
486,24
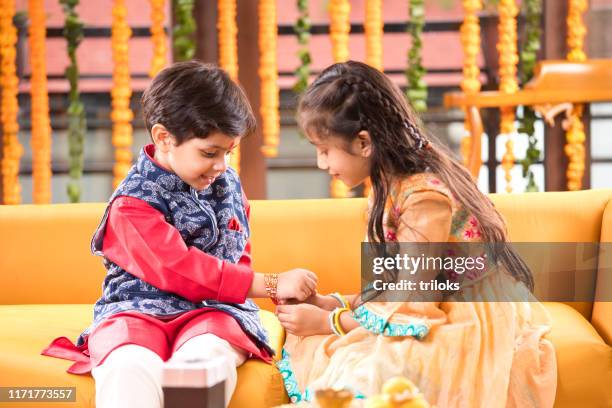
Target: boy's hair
x,y
193,99
349,97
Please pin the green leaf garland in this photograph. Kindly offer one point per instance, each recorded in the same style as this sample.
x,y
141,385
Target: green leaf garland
x,y
528,55
77,125
184,46
416,91
302,31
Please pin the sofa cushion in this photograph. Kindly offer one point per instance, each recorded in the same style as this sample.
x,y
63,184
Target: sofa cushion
x,y
584,361
27,329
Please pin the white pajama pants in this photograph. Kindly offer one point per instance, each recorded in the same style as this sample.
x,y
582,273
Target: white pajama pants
x,y
131,375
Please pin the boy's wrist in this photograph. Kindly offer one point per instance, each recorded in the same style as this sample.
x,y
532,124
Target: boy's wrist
x,y
258,287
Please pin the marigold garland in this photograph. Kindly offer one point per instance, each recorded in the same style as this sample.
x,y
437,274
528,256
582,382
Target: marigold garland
x,y
268,74
121,93
12,150
339,29
77,125
158,37
508,83
41,125
470,41
576,30
228,52
373,26
228,32
575,136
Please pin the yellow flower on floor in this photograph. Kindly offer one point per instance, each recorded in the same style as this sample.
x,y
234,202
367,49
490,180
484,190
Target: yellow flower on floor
x,y
398,392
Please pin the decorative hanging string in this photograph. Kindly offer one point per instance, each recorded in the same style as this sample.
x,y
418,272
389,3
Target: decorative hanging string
x,y
228,52
339,29
12,150
470,41
374,33
77,125
158,37
415,73
268,74
508,83
121,93
575,136
182,41
41,125
302,31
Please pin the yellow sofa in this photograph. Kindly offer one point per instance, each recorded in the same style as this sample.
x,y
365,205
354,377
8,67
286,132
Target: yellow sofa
x,y
49,280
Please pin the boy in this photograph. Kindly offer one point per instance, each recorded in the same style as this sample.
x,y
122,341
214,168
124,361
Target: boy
x,y
174,239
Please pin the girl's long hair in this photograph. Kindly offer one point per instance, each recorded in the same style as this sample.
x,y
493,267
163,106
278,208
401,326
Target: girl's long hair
x,y
349,97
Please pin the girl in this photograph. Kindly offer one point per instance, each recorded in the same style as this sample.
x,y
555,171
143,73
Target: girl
x,y
175,243
460,354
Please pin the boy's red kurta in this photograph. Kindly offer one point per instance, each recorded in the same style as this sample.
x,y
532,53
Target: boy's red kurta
x,y
139,240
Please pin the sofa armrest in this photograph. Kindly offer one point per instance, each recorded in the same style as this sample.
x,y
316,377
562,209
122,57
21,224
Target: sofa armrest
x,y
602,307
276,332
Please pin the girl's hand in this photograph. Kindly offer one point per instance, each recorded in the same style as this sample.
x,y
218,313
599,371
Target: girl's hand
x,y
323,302
303,319
296,284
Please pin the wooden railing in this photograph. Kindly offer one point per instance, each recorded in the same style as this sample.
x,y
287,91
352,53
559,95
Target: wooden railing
x,y
557,87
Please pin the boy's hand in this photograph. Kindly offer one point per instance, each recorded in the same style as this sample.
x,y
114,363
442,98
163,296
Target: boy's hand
x,y
296,284
303,319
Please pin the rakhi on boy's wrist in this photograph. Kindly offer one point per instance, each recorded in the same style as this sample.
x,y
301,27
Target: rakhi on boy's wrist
x,y
271,284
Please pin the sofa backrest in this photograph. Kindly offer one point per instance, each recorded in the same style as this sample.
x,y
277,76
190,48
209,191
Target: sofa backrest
x,y
557,217
44,254
45,257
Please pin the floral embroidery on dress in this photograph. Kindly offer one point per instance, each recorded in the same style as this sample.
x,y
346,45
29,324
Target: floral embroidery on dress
x,y
391,236
471,229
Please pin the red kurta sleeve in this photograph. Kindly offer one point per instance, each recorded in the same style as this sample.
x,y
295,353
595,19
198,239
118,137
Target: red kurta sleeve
x,y
139,240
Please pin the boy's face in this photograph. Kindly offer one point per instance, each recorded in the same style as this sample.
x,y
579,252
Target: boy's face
x,y
198,162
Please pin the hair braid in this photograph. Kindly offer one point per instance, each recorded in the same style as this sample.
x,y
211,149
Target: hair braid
x,y
395,115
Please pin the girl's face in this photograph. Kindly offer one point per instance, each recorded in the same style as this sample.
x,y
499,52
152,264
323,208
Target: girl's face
x,y
198,162
348,162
